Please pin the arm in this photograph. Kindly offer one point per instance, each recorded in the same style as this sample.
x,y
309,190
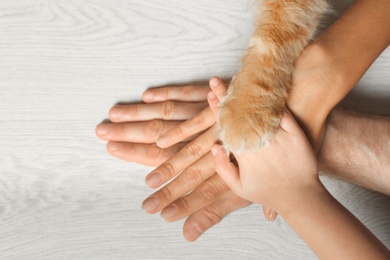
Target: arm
x,y
337,60
306,101
359,142
329,57
330,230
204,212
294,190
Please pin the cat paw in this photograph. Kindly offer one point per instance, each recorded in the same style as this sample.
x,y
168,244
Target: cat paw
x,y
249,117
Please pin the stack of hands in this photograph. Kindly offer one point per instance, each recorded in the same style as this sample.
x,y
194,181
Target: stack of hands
x,y
175,129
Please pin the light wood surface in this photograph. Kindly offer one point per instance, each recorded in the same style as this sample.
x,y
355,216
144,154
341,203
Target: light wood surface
x,y
63,64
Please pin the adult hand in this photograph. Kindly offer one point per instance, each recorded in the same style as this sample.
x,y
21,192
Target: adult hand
x,y
136,127
307,88
208,202
132,137
323,75
195,165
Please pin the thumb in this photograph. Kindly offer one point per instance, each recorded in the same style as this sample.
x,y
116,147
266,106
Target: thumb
x,y
269,214
226,169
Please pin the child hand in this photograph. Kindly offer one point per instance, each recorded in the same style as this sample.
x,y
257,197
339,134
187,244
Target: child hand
x,y
276,176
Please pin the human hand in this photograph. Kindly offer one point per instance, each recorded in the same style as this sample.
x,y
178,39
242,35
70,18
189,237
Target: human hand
x,y
311,67
136,127
308,87
202,214
275,175
316,87
196,163
132,137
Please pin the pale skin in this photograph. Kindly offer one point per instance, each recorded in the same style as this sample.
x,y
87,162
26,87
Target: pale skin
x,y
283,176
311,99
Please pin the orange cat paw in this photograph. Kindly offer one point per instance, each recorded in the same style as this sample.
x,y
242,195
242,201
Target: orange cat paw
x,y
249,117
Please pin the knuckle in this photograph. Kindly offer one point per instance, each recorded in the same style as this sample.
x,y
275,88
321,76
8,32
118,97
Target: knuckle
x,y
209,191
154,152
194,150
166,194
187,92
133,111
213,215
168,169
153,128
194,175
121,129
185,205
165,92
198,120
177,133
166,109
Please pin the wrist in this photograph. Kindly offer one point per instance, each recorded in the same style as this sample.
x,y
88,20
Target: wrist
x,y
311,99
302,199
354,42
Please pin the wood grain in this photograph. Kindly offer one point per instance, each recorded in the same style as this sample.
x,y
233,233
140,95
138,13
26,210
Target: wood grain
x,y
63,64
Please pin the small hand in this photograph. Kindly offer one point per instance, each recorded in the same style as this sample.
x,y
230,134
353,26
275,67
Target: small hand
x,y
306,102
132,137
274,175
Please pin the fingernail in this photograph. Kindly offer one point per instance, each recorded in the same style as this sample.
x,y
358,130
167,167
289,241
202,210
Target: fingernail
x,y
112,147
163,140
194,232
214,82
102,130
150,204
169,212
154,180
272,215
148,96
116,113
214,151
211,95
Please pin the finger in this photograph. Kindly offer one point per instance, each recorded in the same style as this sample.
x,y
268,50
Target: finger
x,y
186,93
199,123
213,103
288,123
269,214
188,155
226,169
204,194
167,110
140,132
145,154
208,216
218,87
188,180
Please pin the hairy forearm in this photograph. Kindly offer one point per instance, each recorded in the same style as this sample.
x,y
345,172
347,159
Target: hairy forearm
x,y
356,149
330,230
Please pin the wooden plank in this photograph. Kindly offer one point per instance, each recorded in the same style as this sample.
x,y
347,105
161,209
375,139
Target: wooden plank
x,y
63,64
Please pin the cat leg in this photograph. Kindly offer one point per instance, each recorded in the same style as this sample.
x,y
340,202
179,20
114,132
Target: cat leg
x,y
250,112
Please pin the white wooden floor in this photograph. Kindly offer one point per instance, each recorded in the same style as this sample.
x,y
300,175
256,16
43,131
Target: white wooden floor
x,y
63,64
